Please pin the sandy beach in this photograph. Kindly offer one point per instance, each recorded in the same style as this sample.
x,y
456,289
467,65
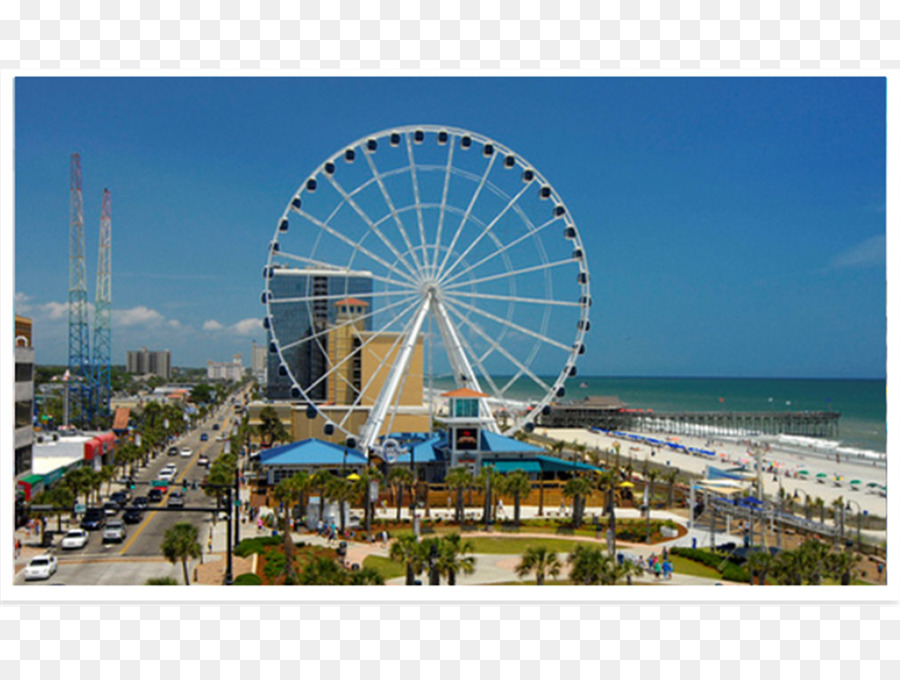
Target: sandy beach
x,y
729,454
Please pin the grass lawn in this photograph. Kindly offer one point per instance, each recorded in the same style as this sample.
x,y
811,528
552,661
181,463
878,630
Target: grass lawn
x,y
503,545
384,566
683,565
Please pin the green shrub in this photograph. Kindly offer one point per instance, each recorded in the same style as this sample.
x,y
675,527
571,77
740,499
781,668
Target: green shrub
x,y
161,581
248,579
249,546
733,572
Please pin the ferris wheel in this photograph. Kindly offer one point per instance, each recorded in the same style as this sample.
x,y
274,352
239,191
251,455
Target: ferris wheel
x,y
418,259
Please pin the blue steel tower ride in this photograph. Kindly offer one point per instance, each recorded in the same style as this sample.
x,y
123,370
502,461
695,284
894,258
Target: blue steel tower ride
x,y
79,348
102,313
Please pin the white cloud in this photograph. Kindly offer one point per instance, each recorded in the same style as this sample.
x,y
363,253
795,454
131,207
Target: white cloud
x,y
249,326
869,252
174,323
22,303
136,316
212,325
54,310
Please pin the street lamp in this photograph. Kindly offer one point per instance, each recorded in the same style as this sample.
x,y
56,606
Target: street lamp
x,y
859,514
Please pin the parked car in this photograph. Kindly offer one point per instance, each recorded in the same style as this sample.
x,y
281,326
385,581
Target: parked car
x,y
173,451
176,500
186,452
203,461
94,518
133,515
74,539
204,437
155,495
114,531
41,567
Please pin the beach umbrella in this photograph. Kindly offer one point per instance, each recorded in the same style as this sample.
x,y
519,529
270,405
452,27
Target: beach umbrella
x,y
821,474
625,484
855,481
354,477
803,472
872,484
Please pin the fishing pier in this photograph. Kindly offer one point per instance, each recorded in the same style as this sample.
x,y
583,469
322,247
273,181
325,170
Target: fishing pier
x,y
609,413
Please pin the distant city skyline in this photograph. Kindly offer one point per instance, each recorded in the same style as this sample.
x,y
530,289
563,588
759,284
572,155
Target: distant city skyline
x,y
734,227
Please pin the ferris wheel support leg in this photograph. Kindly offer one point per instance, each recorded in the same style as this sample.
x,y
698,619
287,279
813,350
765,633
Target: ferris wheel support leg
x,y
398,371
463,374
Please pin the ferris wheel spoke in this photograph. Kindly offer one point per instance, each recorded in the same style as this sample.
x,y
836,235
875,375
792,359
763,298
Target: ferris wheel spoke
x,y
497,346
415,186
440,227
368,315
511,325
383,361
465,218
356,246
484,232
340,296
513,298
348,198
390,204
508,274
370,339
500,251
331,267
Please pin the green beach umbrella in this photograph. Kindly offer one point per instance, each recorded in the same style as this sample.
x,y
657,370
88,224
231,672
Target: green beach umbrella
x,y
855,481
821,474
872,484
803,472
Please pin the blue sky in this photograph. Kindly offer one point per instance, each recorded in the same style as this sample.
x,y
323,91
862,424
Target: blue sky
x,y
733,226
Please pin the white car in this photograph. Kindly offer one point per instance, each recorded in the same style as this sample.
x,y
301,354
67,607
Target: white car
x,y
114,531
74,539
186,453
166,475
41,567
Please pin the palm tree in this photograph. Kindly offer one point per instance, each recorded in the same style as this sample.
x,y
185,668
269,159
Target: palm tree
x,y
606,482
578,489
517,484
286,493
362,485
454,557
670,475
407,550
541,561
108,474
587,565
320,481
459,479
650,478
271,429
820,504
487,479
557,448
367,576
77,481
399,478
342,490
838,513
323,571
841,565
180,543
759,563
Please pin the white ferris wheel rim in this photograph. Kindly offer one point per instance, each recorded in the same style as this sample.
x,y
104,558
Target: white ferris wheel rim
x,y
411,277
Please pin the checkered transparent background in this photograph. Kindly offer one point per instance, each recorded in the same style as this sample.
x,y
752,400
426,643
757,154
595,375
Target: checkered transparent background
x,y
440,641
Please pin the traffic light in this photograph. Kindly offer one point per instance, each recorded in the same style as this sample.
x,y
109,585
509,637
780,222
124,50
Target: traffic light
x,y
131,483
184,485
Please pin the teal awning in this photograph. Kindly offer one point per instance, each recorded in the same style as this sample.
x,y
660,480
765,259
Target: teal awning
x,y
551,464
510,465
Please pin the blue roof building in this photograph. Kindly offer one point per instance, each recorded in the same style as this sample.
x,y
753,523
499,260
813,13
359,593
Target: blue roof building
x,y
310,455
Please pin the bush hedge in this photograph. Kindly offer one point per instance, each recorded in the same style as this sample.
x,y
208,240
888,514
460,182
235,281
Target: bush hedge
x,y
730,571
249,546
248,579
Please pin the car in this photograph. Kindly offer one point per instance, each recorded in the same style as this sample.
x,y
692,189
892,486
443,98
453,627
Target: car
x,y
176,500
74,539
155,495
120,497
166,474
110,508
94,518
216,426
186,452
169,469
133,515
173,451
204,437
114,531
140,502
41,567
203,461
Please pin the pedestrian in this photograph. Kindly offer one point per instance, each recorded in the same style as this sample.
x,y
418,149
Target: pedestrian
x,y
665,554
657,569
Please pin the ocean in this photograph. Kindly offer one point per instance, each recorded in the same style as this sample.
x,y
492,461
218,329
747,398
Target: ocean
x,y
861,403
